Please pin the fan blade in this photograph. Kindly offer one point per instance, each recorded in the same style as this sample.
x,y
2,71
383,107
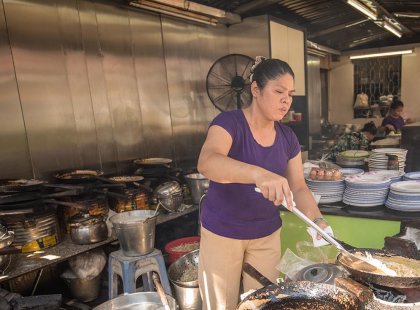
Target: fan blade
x,y
219,87
245,70
219,77
223,95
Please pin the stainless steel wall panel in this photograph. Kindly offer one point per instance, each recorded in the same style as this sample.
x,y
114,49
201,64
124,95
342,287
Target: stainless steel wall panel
x,y
75,64
149,63
182,55
43,85
251,37
314,95
95,75
14,156
120,79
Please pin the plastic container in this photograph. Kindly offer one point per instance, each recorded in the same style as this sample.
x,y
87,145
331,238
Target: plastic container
x,y
135,231
173,254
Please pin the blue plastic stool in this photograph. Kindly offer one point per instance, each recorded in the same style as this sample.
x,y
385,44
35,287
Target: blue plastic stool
x,y
129,268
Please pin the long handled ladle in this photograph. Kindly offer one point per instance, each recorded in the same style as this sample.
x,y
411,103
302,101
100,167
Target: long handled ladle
x,y
355,261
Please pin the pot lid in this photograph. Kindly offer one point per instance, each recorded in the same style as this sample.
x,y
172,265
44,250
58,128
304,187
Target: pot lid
x,y
319,273
168,188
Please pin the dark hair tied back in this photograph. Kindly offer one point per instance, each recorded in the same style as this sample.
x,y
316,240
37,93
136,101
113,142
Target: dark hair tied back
x,y
396,103
370,127
265,69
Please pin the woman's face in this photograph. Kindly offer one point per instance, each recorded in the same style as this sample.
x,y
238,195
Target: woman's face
x,y
275,99
397,112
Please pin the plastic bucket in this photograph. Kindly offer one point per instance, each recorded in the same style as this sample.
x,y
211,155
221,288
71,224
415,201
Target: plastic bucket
x,y
135,231
198,185
174,254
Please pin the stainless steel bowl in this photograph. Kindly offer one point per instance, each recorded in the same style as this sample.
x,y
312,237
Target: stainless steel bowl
x,y
186,262
135,301
172,202
167,189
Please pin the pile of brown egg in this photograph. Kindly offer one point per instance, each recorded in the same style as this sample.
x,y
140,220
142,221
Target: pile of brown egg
x,y
328,174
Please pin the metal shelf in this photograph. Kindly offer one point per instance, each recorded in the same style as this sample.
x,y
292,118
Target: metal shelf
x,y
26,262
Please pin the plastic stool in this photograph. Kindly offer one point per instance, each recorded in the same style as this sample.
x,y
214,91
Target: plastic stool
x,y
131,267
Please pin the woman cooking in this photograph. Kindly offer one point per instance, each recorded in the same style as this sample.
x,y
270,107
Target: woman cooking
x,y
245,149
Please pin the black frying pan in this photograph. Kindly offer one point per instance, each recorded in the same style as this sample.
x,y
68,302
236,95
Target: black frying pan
x,y
81,176
20,185
405,281
302,295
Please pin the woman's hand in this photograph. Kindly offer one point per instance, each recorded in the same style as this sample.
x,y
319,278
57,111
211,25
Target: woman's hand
x,y
275,188
322,223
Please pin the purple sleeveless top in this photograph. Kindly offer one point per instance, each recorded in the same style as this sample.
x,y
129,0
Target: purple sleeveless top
x,y
398,123
235,210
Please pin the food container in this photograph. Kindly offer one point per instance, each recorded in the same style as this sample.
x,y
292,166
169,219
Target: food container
x,y
180,247
135,231
169,195
86,229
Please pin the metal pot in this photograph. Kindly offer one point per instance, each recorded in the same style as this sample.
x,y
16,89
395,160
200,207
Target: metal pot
x,y
142,300
88,229
198,185
170,195
6,237
5,261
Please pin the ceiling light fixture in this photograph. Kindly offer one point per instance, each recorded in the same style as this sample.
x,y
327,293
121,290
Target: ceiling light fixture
x,y
360,7
382,54
188,10
392,29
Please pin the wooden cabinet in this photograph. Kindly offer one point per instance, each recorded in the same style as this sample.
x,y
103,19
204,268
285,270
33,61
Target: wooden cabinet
x,y
288,44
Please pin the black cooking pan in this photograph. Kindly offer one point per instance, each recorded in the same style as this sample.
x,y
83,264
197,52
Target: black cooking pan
x,y
302,295
81,176
20,185
402,280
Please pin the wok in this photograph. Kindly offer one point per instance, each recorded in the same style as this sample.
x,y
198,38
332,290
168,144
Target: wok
x,y
296,295
399,281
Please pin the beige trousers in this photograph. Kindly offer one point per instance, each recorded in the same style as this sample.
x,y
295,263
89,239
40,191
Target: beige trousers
x,y
220,267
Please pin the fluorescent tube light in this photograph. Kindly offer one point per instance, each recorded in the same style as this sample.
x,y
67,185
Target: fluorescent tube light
x,y
382,54
172,11
392,29
362,9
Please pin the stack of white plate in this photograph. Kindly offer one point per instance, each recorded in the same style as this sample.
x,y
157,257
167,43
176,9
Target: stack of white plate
x,y
330,191
366,190
412,176
404,196
378,160
394,175
351,171
352,158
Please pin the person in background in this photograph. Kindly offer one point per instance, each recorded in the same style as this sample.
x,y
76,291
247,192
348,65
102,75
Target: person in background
x,y
244,150
394,120
353,141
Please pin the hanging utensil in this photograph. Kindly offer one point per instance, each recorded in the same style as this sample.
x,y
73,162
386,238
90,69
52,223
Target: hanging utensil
x,y
160,290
